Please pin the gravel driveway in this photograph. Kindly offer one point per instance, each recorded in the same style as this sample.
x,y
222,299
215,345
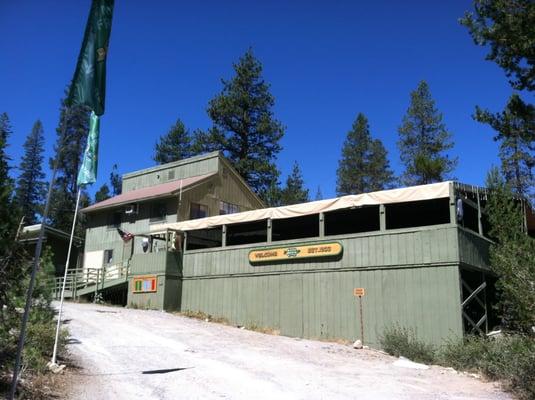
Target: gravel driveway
x,y
135,354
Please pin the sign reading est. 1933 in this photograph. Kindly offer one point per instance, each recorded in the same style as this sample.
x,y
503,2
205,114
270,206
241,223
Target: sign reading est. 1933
x,y
315,250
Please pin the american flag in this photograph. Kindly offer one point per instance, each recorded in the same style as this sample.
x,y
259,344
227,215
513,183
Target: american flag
x,y
126,236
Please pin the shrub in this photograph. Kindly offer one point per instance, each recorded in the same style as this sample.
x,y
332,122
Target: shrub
x,y
510,359
400,341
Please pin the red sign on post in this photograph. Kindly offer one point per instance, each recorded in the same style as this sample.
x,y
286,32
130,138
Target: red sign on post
x,y
359,292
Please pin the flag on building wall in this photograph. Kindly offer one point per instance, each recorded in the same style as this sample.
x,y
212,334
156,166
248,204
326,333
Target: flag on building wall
x,y
126,236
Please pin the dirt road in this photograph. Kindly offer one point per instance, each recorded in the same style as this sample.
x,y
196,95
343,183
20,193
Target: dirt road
x,y
134,354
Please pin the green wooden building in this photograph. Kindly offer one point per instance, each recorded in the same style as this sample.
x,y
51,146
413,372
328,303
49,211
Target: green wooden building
x,y
202,241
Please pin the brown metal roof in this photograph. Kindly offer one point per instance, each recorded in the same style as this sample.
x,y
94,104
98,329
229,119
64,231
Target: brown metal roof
x,y
151,192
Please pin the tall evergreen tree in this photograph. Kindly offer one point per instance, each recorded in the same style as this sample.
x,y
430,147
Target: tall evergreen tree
x,y
105,192
102,194
244,127
295,191
424,140
30,190
69,148
506,27
364,165
116,181
319,194
6,183
173,146
512,256
516,134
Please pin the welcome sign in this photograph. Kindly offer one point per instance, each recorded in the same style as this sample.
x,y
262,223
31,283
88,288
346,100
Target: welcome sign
x,y
315,250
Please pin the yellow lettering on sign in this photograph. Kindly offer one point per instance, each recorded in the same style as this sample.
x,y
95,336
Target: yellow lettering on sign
x,y
295,252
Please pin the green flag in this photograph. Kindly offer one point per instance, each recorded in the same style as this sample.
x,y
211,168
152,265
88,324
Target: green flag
x,y
88,170
88,86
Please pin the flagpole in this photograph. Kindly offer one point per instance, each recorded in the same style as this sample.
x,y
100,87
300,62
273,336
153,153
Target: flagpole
x,y
35,266
54,353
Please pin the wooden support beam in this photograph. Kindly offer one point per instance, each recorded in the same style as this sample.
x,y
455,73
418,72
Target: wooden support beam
x,y
382,217
269,231
474,294
322,224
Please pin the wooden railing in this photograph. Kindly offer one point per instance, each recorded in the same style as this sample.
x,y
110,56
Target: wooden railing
x,y
80,280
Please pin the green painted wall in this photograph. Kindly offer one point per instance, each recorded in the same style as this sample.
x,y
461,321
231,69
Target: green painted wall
x,y
474,249
411,278
164,265
194,166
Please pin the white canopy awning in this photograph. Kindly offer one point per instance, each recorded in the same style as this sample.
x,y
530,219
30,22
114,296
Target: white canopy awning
x,y
413,193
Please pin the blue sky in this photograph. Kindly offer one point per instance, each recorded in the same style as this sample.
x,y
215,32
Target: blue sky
x,y
326,61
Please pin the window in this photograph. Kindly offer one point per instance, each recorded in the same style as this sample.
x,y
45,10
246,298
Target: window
x,y
227,208
108,256
198,211
295,228
362,219
158,212
248,232
204,238
417,213
114,219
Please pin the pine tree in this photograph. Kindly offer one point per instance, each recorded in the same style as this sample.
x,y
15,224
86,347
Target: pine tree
x,y
30,190
364,166
70,147
516,134
319,194
512,256
175,145
424,141
244,127
7,216
102,194
506,27
116,181
294,192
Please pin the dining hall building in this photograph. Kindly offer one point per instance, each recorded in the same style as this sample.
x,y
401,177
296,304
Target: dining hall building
x,y
192,236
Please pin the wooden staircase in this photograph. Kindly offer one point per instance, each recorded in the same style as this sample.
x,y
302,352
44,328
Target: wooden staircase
x,y
86,281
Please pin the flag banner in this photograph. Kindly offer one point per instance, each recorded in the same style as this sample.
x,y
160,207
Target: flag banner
x,y
88,170
126,236
88,85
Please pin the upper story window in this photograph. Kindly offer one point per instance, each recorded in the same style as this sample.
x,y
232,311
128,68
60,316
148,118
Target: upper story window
x,y
114,219
158,212
198,211
228,208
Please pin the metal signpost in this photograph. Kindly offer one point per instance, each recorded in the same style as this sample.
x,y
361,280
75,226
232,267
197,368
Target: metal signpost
x,y
360,292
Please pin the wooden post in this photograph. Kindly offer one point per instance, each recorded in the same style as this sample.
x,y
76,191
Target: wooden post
x,y
479,223
75,286
322,224
224,236
96,287
453,211
361,321
382,217
269,231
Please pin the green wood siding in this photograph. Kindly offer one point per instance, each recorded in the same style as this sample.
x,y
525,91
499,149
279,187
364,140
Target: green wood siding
x,y
182,169
474,249
321,305
411,278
